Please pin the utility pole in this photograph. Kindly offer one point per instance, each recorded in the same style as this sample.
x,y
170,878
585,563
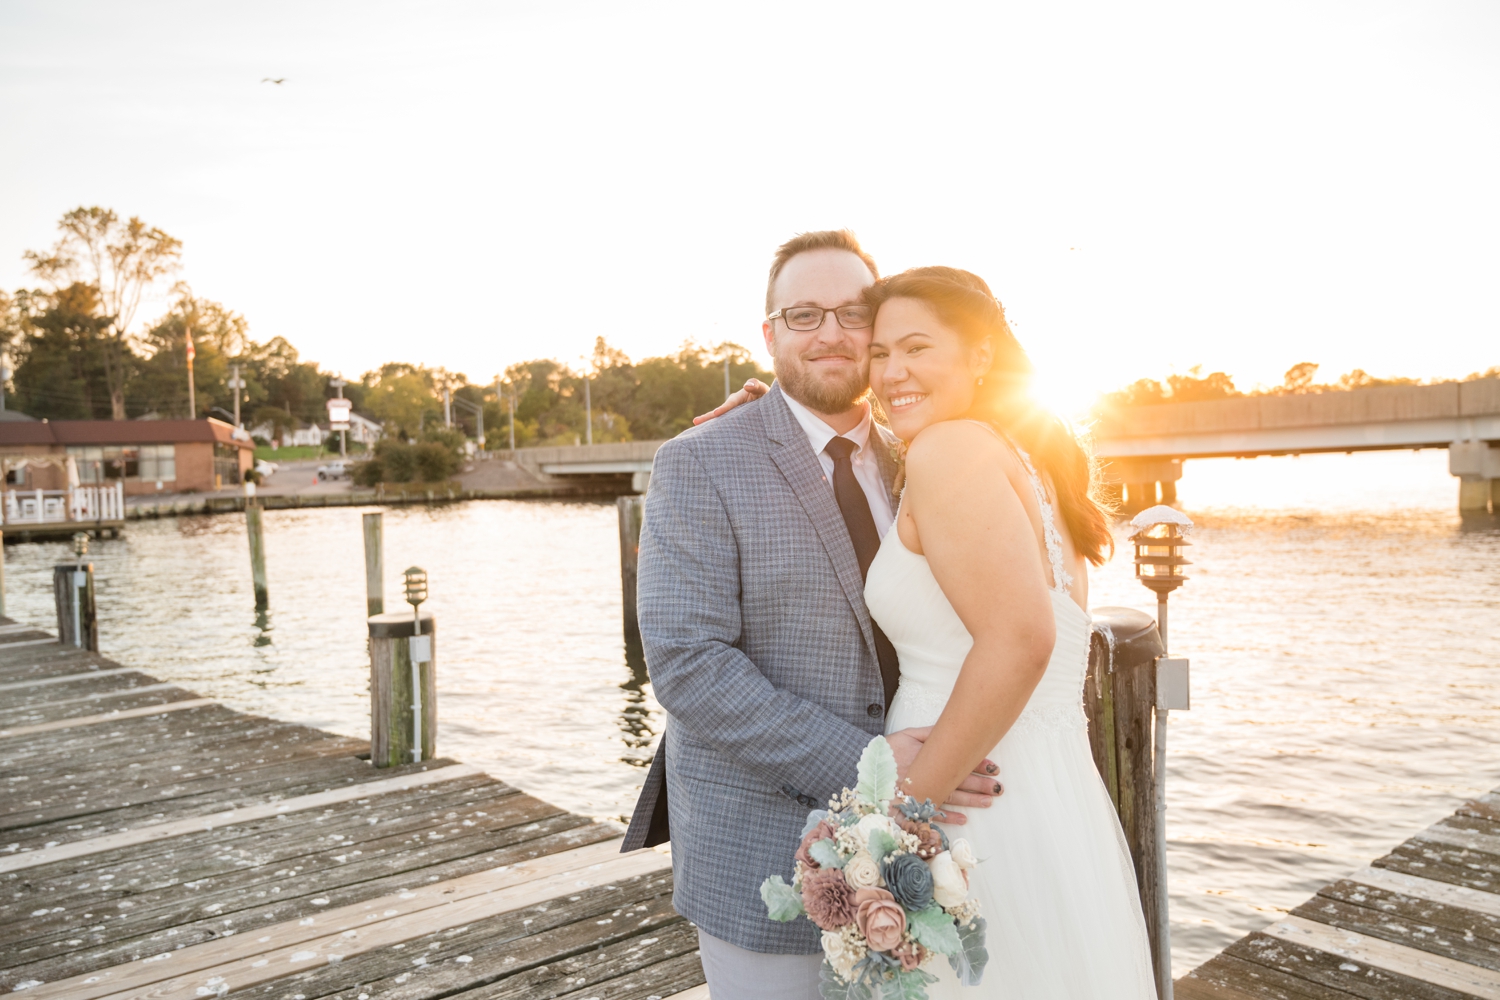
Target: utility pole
x,y
588,409
447,405
512,396
236,383
4,375
338,384
726,376
191,351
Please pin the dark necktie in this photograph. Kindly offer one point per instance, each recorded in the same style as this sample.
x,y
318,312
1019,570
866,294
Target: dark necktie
x,y
855,507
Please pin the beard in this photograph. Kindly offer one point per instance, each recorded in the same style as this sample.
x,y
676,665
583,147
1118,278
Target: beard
x,y
827,393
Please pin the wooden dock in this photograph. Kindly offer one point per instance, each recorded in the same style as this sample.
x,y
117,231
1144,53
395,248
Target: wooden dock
x,y
1421,923
157,844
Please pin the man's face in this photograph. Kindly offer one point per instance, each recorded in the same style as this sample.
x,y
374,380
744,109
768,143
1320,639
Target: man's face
x,y
827,369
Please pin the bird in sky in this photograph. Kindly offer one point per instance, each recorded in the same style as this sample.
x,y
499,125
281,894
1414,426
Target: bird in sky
x,y
278,80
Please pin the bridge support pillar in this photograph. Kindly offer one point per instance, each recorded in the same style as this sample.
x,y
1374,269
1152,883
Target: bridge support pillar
x,y
1474,495
1477,466
1139,478
1139,496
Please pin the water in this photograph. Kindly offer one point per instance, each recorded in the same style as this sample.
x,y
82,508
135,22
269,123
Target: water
x,y
1341,621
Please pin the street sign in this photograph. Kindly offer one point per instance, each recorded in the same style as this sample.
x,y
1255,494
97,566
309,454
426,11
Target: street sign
x,y
338,414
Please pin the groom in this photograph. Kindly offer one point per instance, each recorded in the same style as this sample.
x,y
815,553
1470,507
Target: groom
x,y
760,526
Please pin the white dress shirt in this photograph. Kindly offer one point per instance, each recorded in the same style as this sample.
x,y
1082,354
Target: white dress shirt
x,y
866,464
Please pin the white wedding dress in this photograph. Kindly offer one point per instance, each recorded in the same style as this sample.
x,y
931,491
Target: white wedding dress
x,y
1055,880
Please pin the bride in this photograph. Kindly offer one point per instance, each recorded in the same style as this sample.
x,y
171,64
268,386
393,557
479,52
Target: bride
x,y
982,588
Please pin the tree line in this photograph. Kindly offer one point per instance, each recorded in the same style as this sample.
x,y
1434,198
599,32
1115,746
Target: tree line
x,y
75,356
1300,379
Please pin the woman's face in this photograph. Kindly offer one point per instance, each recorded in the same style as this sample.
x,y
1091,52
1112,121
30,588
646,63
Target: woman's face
x,y
921,370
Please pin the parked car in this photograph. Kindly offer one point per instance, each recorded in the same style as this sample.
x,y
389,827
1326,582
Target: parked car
x,y
265,468
333,470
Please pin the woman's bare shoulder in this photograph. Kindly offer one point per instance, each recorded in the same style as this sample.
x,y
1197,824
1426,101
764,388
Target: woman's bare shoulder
x,y
951,449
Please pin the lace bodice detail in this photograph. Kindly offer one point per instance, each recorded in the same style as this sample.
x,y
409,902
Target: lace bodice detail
x,y
1062,580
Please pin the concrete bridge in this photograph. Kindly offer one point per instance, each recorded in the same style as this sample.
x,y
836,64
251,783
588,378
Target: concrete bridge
x,y
1143,447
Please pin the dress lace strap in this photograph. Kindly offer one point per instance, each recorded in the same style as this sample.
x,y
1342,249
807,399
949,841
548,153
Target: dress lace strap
x,y
1062,580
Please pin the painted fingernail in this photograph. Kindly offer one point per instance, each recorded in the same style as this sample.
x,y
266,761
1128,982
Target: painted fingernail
x,y
999,788
992,768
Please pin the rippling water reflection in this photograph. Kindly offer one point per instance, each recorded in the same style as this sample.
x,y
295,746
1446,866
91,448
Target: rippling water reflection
x,y
1341,620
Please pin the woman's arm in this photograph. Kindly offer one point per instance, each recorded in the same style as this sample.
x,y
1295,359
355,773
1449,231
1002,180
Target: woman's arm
x,y
984,553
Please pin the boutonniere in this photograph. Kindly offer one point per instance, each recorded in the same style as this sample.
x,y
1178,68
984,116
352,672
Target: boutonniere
x,y
898,456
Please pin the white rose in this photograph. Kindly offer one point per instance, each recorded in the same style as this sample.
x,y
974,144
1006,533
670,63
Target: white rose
x,y
839,954
963,854
875,821
861,871
950,886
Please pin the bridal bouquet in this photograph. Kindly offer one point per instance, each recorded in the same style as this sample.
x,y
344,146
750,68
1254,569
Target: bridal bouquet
x,y
890,894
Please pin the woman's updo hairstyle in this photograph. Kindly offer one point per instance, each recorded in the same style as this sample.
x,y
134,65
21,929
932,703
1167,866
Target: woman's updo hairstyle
x,y
962,301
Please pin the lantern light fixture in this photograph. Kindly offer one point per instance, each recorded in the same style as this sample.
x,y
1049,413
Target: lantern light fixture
x,y
1160,536
416,585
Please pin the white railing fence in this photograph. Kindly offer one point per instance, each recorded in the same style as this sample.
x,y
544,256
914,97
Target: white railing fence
x,y
80,504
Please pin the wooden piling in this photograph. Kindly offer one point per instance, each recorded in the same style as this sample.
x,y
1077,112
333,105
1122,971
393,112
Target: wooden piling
x,y
403,690
374,566
1120,701
73,593
632,511
256,530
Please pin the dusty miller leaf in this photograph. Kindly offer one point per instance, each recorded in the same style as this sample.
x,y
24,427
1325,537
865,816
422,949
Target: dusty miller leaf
x,y
877,772
881,844
813,819
934,930
825,854
782,901
830,986
969,962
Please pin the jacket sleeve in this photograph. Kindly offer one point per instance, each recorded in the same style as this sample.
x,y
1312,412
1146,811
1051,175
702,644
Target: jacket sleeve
x,y
688,601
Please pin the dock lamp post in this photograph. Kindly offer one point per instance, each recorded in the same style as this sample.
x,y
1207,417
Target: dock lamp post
x,y
1160,537
420,652
416,591
73,592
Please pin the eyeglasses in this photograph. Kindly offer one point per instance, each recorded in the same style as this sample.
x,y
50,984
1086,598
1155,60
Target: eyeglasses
x,y
850,317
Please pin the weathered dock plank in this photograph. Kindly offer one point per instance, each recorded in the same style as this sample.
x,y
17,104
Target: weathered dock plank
x,y
156,844
1423,923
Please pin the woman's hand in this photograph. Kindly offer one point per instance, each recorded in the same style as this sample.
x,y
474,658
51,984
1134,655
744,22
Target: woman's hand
x,y
976,791
753,389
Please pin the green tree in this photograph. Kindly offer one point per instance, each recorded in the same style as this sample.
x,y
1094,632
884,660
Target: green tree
x,y
220,337
120,260
62,372
403,397
1195,388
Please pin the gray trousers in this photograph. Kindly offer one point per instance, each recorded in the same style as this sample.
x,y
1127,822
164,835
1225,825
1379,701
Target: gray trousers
x,y
736,974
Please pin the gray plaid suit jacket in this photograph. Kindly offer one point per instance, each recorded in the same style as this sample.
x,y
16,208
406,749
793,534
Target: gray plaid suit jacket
x,y
761,651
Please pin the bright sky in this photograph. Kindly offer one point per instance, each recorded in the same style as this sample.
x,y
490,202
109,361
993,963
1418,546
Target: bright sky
x,y
1146,186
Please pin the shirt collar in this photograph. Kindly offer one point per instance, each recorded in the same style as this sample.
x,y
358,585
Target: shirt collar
x,y
819,433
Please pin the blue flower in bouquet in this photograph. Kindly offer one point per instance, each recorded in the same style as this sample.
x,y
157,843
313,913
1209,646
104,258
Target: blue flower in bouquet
x,y
909,879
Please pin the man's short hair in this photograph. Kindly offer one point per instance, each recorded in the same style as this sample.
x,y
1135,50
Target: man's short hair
x,y
824,239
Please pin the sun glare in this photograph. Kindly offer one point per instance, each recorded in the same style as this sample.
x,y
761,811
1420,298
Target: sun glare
x,y
1068,399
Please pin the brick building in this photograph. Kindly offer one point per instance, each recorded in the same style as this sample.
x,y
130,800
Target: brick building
x,y
170,456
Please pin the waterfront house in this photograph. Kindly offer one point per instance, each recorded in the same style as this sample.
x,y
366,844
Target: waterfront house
x,y
146,456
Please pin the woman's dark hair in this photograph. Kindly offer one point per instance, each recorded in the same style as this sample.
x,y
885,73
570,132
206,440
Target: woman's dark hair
x,y
964,302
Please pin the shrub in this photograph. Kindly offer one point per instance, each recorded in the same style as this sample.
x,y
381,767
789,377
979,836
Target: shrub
x,y
435,462
371,473
395,461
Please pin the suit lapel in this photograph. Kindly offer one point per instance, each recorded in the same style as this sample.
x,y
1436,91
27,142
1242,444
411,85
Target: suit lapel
x,y
794,456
